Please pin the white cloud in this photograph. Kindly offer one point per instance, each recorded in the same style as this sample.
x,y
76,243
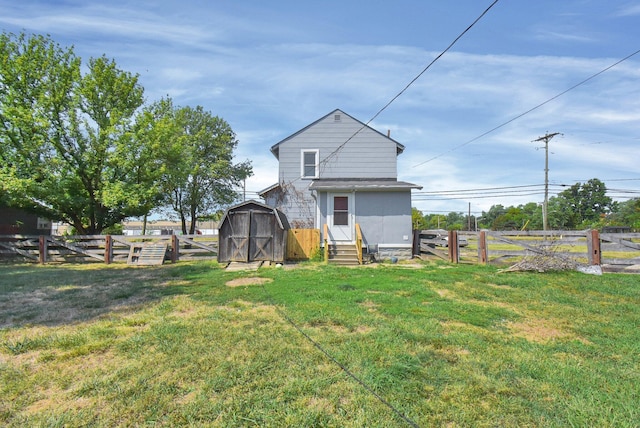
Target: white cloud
x,y
629,10
180,74
268,84
564,37
121,23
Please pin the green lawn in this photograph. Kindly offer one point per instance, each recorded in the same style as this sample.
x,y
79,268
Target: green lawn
x,y
434,345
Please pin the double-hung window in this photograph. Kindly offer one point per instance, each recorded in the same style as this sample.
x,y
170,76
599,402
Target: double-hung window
x,y
309,163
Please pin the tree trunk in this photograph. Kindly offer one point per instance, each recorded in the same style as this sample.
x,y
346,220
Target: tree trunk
x,y
194,219
183,220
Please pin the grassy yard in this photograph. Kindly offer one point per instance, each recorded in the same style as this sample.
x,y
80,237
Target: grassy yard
x,y
435,345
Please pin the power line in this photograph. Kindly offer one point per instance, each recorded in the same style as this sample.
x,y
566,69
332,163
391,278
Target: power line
x,y
322,163
518,190
425,198
609,180
434,61
449,212
333,153
465,197
333,359
530,110
481,189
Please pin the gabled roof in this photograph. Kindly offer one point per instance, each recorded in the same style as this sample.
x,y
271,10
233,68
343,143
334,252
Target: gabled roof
x,y
275,149
262,192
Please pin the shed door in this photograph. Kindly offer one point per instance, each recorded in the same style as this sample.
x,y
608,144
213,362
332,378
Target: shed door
x,y
251,235
261,235
340,218
239,222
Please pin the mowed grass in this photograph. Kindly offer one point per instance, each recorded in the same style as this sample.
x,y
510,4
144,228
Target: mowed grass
x,y
430,345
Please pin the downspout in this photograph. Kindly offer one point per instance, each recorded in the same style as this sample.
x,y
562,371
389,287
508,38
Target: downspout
x,y
314,195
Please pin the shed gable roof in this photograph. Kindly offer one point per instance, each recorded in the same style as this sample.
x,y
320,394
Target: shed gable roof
x,y
275,149
249,205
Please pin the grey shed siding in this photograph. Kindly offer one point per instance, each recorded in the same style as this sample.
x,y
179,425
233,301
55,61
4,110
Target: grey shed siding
x,y
252,231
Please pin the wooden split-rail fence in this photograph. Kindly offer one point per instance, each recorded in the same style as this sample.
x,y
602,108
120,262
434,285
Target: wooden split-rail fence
x,y
302,244
109,248
614,252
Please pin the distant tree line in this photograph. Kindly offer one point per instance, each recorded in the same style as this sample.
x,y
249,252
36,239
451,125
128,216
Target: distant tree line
x,y
581,206
79,144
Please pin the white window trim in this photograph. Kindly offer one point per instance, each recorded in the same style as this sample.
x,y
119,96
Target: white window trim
x,y
316,152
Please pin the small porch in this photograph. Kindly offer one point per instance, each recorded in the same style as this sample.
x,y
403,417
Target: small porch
x,y
343,252
362,220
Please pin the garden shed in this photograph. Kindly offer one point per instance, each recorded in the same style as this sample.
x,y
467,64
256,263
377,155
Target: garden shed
x,y
252,231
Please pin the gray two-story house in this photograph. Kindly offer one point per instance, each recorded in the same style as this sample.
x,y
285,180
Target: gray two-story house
x,y
339,172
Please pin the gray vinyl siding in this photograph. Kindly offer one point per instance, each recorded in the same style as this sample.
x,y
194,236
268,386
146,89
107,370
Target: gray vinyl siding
x,y
368,155
384,217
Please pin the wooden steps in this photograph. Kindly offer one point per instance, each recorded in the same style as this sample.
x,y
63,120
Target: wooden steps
x,y
148,253
343,255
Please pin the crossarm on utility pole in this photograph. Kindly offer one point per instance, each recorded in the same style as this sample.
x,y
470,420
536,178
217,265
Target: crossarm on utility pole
x,y
545,215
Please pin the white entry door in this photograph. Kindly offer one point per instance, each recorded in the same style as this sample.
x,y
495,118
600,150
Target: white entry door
x,y
340,216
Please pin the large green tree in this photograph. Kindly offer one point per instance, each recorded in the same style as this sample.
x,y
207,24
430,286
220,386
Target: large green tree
x,y
201,175
528,216
581,205
67,141
418,220
488,218
626,214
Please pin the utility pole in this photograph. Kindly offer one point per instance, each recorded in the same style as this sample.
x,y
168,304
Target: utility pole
x,y
545,215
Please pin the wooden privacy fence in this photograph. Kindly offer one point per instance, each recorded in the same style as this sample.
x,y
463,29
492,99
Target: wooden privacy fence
x,y
104,248
302,244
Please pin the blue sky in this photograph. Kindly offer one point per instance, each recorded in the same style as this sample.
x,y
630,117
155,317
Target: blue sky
x,y
271,68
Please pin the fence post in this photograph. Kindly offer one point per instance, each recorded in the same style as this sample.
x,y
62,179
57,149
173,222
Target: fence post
x,y
108,249
42,249
452,242
416,242
326,242
482,248
593,246
175,248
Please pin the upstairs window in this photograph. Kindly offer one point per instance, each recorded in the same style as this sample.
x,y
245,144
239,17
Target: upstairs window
x,y
310,163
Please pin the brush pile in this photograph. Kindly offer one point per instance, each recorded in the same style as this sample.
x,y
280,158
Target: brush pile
x,y
543,259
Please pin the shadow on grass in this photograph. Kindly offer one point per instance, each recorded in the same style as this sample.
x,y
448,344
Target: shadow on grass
x,y
63,294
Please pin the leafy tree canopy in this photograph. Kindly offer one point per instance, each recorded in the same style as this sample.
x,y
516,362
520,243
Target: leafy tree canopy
x,y
581,206
77,144
197,149
67,143
418,220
